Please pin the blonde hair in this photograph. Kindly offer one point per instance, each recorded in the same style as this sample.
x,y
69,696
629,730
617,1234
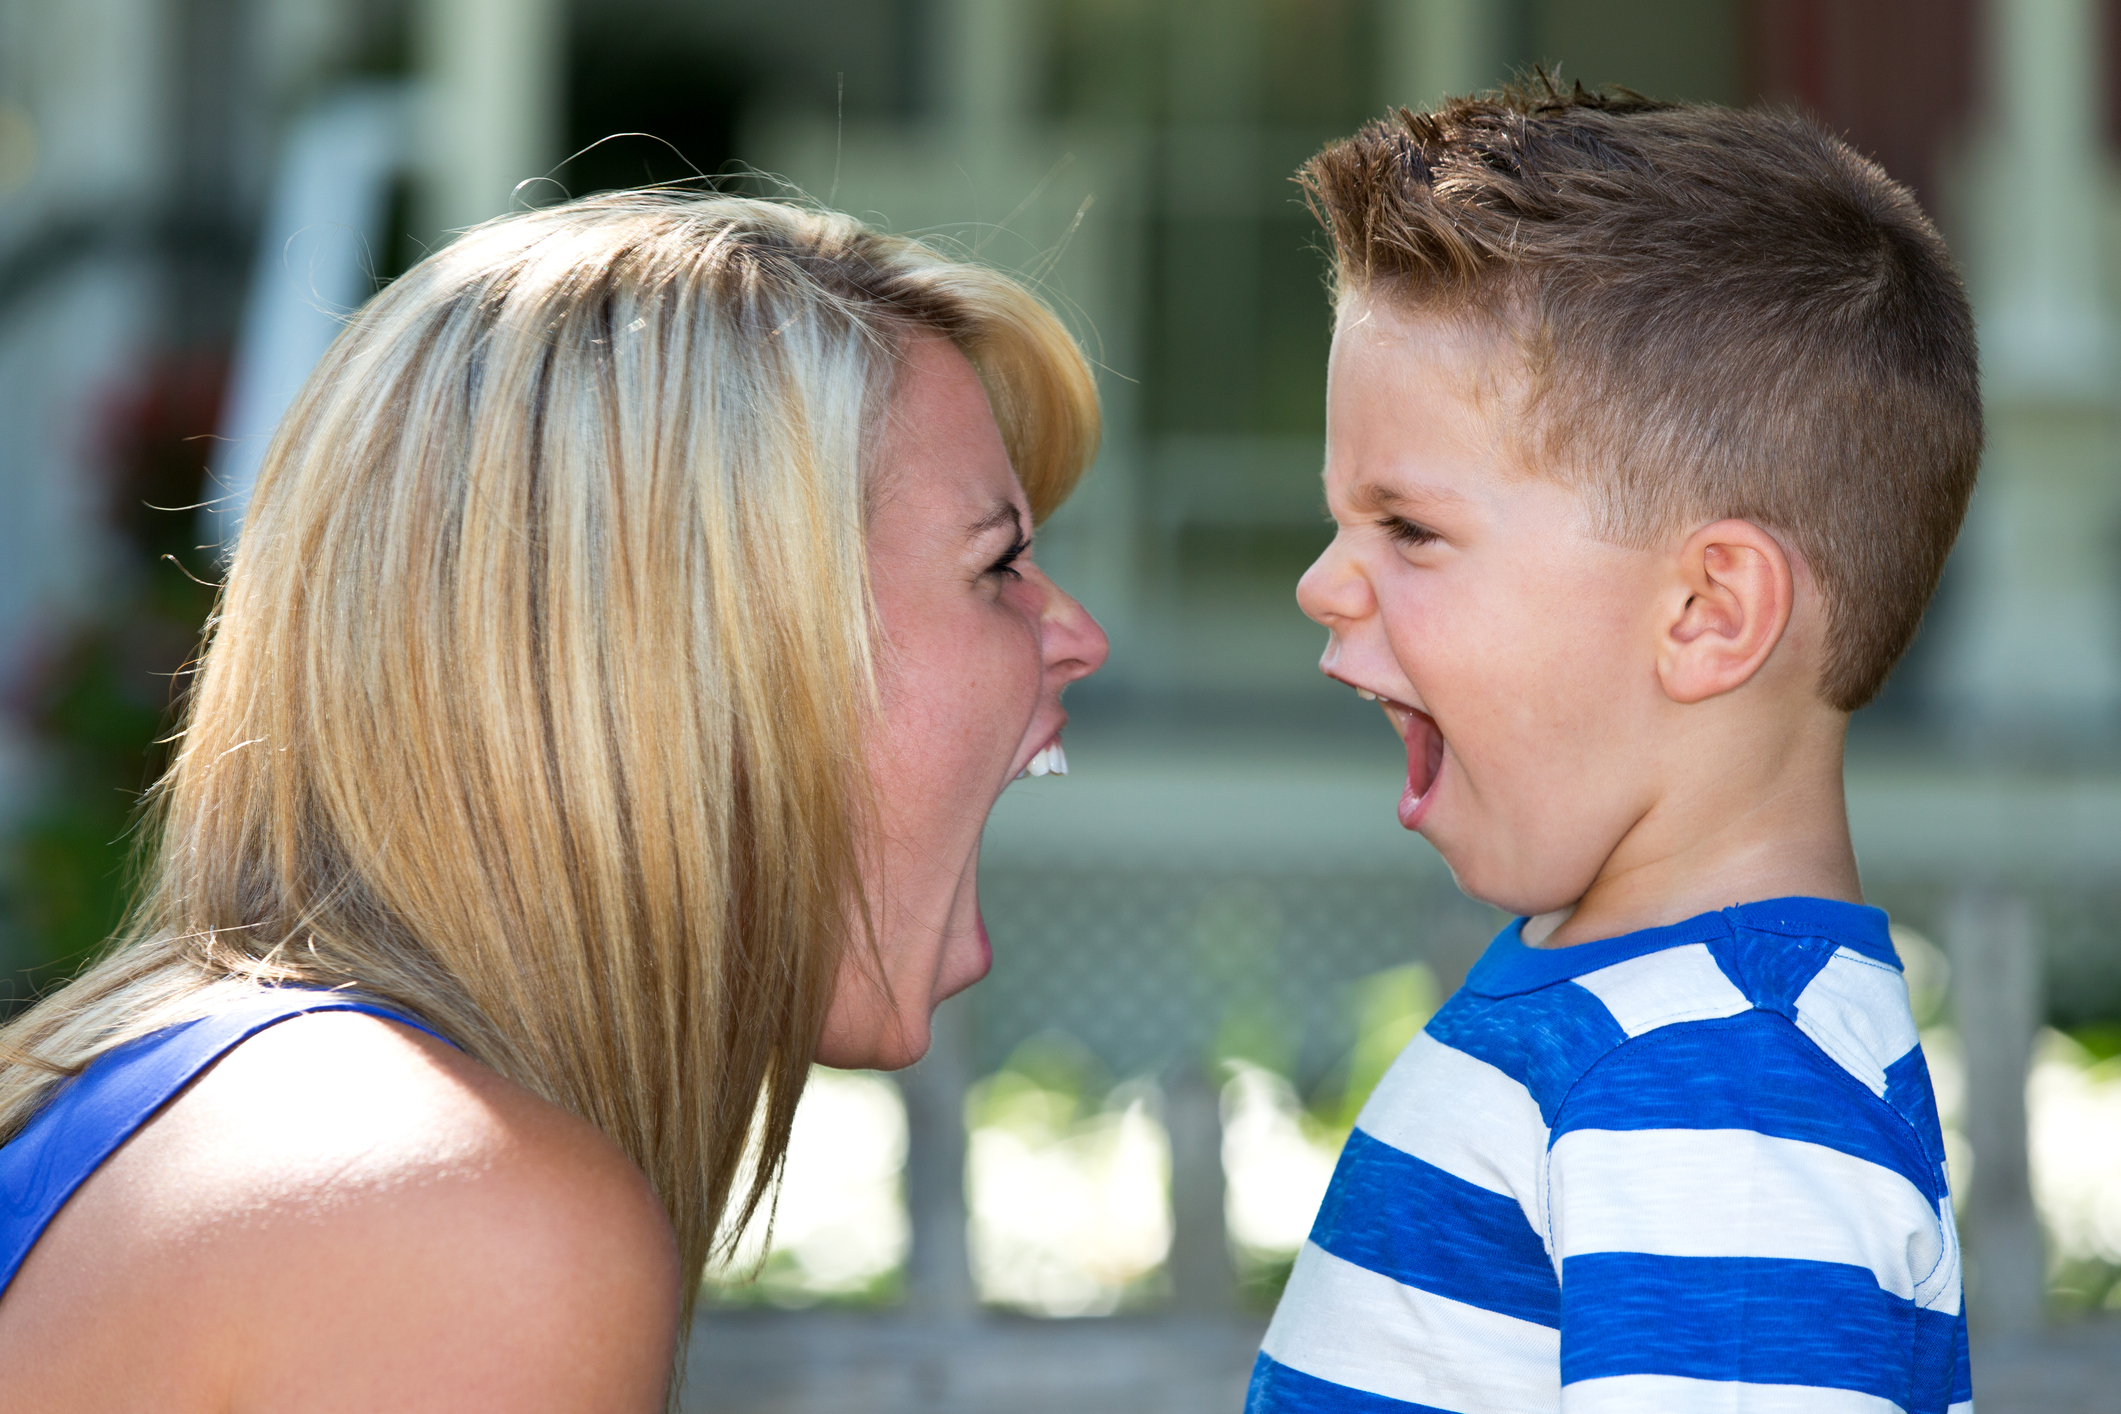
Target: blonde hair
x,y
534,698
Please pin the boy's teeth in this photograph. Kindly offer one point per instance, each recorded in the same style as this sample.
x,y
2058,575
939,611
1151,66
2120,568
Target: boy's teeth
x,y
1365,694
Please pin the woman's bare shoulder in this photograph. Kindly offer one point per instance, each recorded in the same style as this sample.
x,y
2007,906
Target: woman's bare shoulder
x,y
345,1213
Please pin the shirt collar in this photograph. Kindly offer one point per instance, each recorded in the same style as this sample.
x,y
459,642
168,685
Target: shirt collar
x,y
1511,966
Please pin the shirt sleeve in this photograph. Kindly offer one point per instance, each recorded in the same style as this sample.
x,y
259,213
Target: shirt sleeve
x,y
1739,1224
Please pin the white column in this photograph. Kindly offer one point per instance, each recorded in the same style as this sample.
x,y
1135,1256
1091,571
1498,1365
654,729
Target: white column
x,y
325,219
2034,643
1213,187
938,1272
1433,49
984,76
1203,1279
1994,946
492,73
998,152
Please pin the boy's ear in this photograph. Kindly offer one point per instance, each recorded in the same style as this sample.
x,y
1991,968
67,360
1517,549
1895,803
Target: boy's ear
x,y
1732,601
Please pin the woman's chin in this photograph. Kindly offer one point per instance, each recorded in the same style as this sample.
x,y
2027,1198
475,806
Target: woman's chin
x,y
886,1026
970,960
979,959
892,1045
900,1049
967,950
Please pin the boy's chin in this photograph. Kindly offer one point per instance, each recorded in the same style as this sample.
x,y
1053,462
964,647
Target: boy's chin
x,y
1500,885
1472,880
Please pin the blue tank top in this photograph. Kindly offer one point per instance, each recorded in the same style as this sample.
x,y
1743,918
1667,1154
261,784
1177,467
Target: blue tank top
x,y
91,1115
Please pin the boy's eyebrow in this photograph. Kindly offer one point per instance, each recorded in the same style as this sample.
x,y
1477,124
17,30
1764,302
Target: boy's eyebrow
x,y
1376,498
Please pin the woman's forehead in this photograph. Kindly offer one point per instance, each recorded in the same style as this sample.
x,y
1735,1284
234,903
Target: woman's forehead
x,y
943,457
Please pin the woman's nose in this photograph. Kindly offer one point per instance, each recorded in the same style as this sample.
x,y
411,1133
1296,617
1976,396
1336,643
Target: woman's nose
x,y
1074,645
1333,591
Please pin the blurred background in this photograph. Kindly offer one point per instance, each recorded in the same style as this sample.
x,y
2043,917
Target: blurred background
x,y
1211,937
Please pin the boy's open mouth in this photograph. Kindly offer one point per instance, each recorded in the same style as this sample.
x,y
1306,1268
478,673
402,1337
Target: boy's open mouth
x,y
1425,749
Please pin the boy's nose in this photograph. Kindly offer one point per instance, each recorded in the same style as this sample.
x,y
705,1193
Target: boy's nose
x,y
1333,591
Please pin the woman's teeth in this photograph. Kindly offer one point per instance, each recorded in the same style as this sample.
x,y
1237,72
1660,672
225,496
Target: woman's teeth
x,y
1050,761
1365,694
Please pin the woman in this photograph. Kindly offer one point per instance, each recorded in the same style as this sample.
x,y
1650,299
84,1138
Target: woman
x,y
633,626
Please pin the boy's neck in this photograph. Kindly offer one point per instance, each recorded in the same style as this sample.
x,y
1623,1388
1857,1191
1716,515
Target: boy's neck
x,y
1734,837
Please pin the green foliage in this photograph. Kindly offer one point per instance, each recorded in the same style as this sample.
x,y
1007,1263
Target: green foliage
x,y
2101,1039
1928,975
70,878
784,1284
103,697
1236,953
2083,1286
1386,1010
1050,1085
1054,1097
1389,1009
1261,1277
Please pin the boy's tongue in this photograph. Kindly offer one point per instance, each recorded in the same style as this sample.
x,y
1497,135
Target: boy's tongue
x,y
1424,759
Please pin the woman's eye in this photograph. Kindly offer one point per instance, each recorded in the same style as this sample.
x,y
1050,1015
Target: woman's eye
x,y
1407,532
1005,567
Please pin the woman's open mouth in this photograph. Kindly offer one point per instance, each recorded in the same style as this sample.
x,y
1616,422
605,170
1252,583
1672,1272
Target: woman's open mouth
x,y
1425,752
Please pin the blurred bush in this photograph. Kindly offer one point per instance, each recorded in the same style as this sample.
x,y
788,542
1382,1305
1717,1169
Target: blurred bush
x,y
838,1227
98,699
1279,1149
1068,1180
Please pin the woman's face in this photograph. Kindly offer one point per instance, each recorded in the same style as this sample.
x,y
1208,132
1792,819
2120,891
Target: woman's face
x,y
977,645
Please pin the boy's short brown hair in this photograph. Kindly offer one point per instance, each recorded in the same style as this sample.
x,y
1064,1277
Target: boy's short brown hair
x,y
1722,313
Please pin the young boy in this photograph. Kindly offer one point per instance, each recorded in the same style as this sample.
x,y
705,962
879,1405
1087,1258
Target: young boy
x,y
1649,429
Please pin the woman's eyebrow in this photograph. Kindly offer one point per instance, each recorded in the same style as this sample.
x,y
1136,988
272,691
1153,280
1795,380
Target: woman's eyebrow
x,y
1004,513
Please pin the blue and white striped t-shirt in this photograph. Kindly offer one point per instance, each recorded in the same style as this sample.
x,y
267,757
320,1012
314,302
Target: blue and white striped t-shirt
x,y
1691,1170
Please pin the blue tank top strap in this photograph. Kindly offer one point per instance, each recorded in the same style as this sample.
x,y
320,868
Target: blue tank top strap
x,y
86,1120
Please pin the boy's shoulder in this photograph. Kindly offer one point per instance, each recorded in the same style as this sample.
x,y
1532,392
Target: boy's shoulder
x,y
1719,1130
1791,1014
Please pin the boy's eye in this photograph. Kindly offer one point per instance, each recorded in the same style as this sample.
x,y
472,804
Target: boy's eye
x,y
1005,566
1407,532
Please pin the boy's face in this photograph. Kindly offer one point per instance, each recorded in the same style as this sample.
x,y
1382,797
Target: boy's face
x,y
1515,651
